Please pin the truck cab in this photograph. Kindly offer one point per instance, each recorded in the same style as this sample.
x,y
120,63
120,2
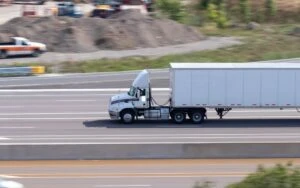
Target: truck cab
x,y
125,106
137,102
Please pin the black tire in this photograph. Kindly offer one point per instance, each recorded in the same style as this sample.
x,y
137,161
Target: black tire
x,y
36,53
178,117
3,54
127,117
197,117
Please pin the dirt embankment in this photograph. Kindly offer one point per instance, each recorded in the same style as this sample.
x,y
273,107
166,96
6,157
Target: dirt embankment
x,y
125,30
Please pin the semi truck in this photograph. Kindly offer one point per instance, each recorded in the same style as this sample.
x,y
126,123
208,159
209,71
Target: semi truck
x,y
196,87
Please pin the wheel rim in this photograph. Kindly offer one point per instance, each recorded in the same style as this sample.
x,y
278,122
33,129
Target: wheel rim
x,y
197,117
35,53
127,117
179,117
2,55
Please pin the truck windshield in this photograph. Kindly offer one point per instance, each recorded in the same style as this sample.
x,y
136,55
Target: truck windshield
x,y
132,91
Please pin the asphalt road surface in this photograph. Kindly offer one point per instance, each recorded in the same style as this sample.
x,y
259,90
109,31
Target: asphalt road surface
x,y
132,173
80,116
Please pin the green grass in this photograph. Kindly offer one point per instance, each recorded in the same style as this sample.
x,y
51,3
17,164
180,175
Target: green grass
x,y
268,43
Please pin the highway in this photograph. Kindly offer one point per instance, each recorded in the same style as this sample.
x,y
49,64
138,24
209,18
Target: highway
x,y
72,116
132,173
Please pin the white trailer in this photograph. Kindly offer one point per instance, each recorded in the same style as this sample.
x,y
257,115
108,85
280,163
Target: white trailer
x,y
194,87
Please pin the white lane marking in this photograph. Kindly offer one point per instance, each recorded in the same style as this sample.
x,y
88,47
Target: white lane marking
x,y
77,82
107,118
262,117
52,113
69,95
49,118
11,106
4,138
17,127
152,142
258,111
8,176
105,112
73,90
121,177
164,138
57,95
123,186
73,100
149,135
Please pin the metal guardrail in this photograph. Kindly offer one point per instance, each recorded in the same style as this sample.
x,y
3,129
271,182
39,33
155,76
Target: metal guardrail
x,y
22,71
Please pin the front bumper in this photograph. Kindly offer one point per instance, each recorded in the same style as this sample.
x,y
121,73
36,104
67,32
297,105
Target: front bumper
x,y
114,115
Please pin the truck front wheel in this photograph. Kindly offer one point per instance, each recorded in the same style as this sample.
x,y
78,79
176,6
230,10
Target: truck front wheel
x,y
178,117
127,117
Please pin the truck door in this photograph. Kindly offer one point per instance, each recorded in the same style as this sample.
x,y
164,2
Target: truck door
x,y
142,96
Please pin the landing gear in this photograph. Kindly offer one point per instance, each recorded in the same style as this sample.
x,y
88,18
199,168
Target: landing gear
x,y
222,111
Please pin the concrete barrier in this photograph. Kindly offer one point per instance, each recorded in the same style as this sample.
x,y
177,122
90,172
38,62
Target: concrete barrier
x,y
145,151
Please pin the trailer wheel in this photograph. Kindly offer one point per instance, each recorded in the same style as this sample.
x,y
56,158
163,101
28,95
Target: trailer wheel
x,y
178,117
127,117
3,54
197,117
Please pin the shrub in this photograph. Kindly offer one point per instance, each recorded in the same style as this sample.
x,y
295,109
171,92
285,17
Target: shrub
x,y
259,15
280,176
203,4
270,6
218,14
172,8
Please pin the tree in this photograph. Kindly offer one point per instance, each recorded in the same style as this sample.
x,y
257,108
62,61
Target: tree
x,y
270,8
172,8
245,10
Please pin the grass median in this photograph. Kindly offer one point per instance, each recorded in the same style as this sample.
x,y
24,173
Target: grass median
x,y
269,42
